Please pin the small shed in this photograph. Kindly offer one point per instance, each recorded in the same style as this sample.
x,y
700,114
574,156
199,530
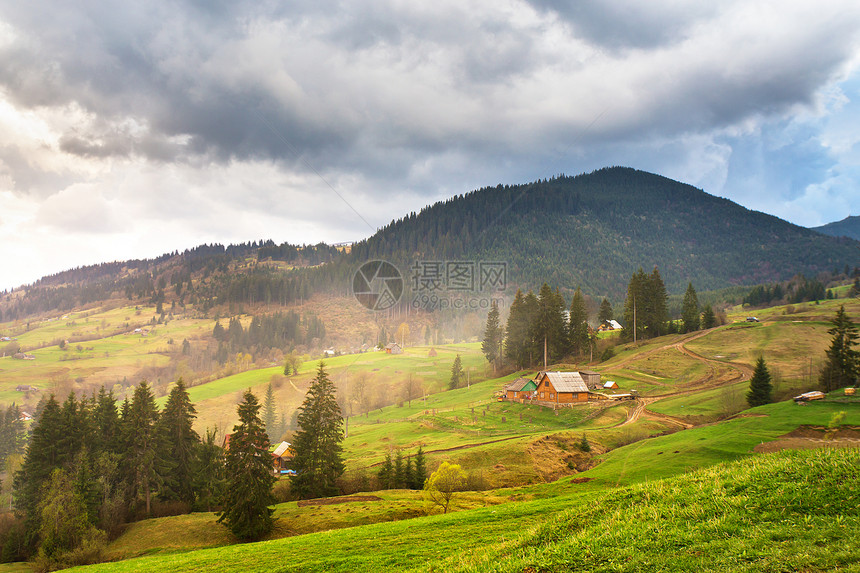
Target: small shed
x,y
561,387
393,348
591,379
520,388
610,385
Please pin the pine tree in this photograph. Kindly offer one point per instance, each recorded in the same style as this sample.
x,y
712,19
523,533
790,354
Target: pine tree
x,y
178,441
385,476
690,310
843,361
399,470
578,324
141,445
208,479
548,329
517,332
760,386
318,457
270,413
245,507
657,310
709,319
635,307
419,474
492,344
43,456
408,474
456,373
605,313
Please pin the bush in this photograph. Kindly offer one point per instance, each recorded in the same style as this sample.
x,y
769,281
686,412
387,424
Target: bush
x,y
281,491
91,550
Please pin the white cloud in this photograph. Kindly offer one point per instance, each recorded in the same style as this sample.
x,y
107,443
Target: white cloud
x,y
128,130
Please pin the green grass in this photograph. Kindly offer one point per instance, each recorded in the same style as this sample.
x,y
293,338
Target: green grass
x,y
788,511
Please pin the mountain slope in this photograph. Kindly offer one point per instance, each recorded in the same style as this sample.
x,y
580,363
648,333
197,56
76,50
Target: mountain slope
x,y
595,230
847,227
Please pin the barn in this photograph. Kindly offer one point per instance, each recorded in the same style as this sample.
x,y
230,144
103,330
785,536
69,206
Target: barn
x,y
591,379
561,387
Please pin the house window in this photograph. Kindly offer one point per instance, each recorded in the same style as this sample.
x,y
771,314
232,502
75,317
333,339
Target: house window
x,y
541,394
551,396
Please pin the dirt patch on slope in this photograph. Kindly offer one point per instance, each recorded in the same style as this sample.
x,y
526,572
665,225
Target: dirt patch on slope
x,y
560,455
336,500
813,437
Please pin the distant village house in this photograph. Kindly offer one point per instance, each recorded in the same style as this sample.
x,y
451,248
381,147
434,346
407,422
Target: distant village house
x,y
393,348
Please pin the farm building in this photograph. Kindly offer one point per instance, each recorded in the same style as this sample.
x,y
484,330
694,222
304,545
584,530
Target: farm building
x,y
25,388
591,379
561,387
609,325
432,353
520,388
610,385
393,348
281,457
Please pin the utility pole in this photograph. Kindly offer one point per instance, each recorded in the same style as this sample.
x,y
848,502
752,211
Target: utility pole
x,y
634,318
544,353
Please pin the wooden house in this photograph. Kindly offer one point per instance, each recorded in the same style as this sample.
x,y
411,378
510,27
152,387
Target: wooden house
x,y
609,325
561,388
281,458
521,388
591,379
393,348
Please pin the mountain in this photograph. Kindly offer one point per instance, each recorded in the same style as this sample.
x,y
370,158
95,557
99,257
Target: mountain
x,y
847,227
594,230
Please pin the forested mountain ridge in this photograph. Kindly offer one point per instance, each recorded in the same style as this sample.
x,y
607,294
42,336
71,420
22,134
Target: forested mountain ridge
x,y
594,230
847,227
591,231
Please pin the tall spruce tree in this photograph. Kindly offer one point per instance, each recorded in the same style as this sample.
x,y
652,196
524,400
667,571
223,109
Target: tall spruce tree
x,y
578,325
456,373
761,389
270,413
246,506
635,306
517,332
548,329
657,316
141,447
419,473
690,310
43,456
843,361
318,457
178,445
493,333
208,479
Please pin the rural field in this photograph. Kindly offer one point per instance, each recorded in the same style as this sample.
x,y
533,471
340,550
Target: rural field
x,y
688,449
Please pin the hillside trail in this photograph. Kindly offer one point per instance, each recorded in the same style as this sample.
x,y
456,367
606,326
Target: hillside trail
x,y
743,373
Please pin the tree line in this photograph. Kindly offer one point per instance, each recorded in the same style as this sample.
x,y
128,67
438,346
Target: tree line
x,y
111,464
283,331
543,325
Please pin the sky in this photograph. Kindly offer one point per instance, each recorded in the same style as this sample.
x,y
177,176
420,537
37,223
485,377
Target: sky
x,y
131,129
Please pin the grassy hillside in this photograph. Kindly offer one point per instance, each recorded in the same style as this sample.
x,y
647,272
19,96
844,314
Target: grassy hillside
x,y
786,511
